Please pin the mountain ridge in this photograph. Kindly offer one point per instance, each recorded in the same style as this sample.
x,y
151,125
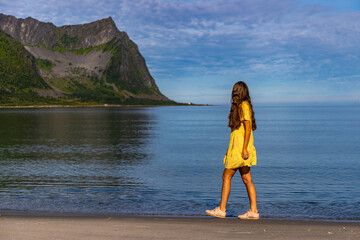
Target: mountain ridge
x,y
30,31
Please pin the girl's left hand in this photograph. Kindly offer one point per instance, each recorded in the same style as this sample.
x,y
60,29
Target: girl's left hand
x,y
245,154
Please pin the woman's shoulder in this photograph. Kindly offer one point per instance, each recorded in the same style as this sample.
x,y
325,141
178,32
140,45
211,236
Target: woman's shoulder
x,y
245,103
245,106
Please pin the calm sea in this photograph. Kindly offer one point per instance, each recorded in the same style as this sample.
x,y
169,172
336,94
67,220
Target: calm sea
x,y
169,161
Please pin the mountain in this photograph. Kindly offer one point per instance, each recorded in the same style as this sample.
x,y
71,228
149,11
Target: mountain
x,y
86,63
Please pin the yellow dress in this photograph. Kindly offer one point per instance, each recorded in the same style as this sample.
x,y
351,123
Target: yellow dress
x,y
233,159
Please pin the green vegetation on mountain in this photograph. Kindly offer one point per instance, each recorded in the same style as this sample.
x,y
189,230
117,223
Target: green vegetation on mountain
x,y
60,48
111,72
17,66
131,81
19,75
45,64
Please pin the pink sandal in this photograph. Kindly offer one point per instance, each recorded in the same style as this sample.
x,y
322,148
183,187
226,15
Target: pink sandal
x,y
249,215
216,212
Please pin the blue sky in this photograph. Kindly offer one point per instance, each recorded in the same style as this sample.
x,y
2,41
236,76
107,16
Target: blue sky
x,y
286,50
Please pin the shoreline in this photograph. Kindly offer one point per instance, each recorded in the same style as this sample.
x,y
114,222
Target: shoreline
x,y
70,227
26,213
95,106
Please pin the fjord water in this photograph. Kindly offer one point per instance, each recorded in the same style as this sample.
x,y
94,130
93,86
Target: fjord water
x,y
169,160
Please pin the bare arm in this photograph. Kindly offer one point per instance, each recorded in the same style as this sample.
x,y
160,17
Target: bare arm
x,y
245,153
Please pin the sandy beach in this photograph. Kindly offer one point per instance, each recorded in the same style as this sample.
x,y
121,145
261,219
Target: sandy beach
x,y
14,227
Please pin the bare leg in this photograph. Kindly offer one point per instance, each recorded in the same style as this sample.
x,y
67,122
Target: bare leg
x,y
247,179
226,186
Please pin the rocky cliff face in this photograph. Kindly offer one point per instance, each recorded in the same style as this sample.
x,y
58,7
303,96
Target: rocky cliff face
x,y
30,31
93,62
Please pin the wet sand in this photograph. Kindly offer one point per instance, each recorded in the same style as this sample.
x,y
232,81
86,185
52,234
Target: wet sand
x,y
70,227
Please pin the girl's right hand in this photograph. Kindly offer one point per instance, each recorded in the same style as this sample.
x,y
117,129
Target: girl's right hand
x,y
245,154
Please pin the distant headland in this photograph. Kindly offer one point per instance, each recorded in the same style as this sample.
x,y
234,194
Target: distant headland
x,y
86,64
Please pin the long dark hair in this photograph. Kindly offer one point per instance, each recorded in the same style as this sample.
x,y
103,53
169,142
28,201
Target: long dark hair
x,y
239,94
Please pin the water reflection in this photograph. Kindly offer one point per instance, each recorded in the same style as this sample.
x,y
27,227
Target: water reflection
x,y
114,135
60,152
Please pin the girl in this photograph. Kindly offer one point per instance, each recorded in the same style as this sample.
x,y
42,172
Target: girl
x,y
241,153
